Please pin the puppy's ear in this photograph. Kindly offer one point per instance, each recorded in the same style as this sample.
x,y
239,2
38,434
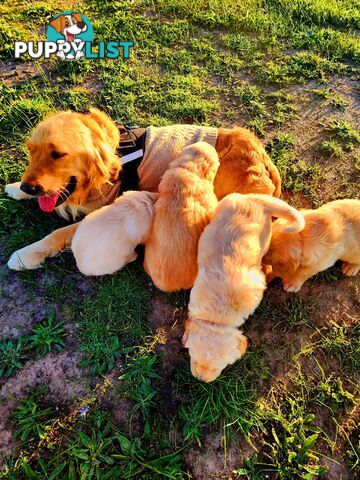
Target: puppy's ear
x,y
77,16
242,344
58,23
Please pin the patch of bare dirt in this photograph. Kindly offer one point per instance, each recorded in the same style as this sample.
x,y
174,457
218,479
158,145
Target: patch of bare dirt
x,y
58,371
337,469
14,71
211,461
20,306
168,324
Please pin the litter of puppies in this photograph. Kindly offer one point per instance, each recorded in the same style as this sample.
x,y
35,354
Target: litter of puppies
x,y
200,235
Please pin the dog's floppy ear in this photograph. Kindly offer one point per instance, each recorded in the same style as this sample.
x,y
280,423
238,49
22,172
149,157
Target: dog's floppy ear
x,y
103,163
77,17
107,125
58,23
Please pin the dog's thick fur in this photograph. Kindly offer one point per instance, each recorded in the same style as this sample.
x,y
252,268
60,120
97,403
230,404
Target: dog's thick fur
x,y
86,145
105,240
230,283
331,233
184,208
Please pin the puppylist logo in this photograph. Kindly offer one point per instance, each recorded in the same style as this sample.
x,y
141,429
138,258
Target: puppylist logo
x,y
70,36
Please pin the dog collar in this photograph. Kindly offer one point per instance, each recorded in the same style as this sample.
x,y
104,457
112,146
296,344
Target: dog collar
x,y
131,152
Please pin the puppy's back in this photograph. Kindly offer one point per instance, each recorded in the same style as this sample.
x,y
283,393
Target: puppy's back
x,y
185,206
105,240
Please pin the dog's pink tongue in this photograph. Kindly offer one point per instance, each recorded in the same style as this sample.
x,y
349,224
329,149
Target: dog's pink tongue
x,y
47,203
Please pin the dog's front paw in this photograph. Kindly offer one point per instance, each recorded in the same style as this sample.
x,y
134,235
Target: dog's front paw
x,y
292,286
25,259
13,190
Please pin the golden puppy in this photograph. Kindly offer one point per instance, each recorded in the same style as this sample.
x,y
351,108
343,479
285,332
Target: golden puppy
x,y
184,208
331,233
230,283
105,240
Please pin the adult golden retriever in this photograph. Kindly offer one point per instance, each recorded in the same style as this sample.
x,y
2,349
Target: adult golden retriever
x,y
74,167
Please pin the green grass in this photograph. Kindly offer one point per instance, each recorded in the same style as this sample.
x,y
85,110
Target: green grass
x,y
45,337
272,66
228,403
297,175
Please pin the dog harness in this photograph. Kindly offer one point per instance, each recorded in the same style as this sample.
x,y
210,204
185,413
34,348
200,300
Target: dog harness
x,y
131,151
145,155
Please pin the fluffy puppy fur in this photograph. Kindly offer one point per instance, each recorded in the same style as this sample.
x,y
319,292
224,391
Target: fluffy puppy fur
x,y
230,283
331,233
185,206
73,145
105,240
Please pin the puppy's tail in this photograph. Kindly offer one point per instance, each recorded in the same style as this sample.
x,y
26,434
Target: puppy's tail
x,y
278,208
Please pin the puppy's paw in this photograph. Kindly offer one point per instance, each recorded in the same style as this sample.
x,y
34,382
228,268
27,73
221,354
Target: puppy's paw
x,y
350,269
293,286
25,259
13,190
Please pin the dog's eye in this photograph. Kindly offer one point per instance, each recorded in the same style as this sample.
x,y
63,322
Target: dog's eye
x,y
56,155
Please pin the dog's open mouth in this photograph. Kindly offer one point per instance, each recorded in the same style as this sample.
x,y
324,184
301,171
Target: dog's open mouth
x,y
70,37
47,203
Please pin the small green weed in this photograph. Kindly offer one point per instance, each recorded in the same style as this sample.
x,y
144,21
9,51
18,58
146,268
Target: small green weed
x,y
324,93
31,418
339,102
97,450
101,354
290,439
332,148
344,132
13,354
344,343
47,337
138,383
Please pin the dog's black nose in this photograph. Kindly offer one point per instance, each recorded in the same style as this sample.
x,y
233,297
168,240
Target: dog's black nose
x,y
80,24
31,189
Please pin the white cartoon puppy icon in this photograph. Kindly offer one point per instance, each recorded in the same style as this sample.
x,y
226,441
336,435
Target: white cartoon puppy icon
x,y
69,25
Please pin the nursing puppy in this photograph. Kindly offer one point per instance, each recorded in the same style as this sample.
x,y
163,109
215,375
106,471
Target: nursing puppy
x,y
105,240
230,283
185,206
331,233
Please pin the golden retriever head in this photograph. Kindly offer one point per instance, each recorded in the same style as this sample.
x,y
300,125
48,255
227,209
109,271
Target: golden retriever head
x,y
70,155
284,254
212,347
